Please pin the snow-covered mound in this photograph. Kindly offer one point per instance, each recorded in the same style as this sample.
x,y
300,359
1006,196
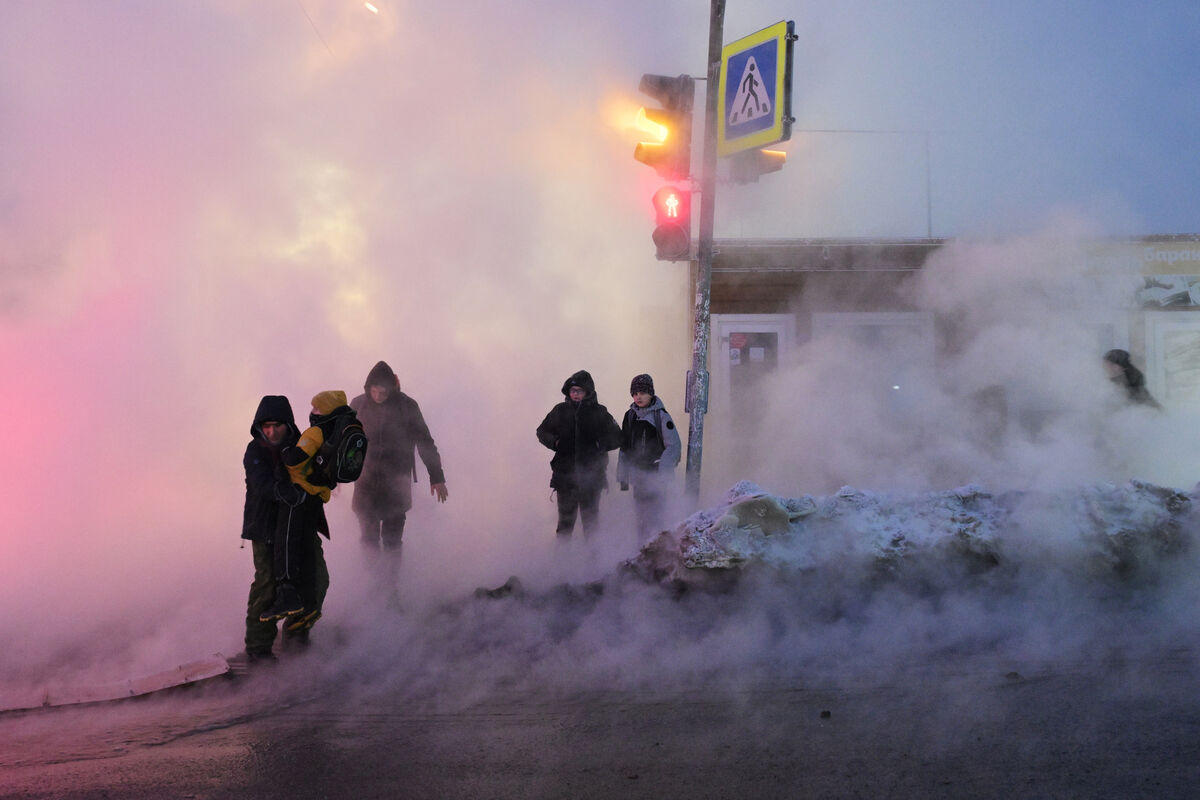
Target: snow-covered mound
x,y
933,537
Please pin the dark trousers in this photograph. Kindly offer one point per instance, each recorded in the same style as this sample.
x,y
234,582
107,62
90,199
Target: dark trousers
x,y
260,636
384,533
585,502
295,537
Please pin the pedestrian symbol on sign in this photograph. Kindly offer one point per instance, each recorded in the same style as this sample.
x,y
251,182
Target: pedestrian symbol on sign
x,y
751,100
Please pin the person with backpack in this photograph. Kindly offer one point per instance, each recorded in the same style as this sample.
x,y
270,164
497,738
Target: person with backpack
x,y
397,431
301,580
650,451
269,488
580,431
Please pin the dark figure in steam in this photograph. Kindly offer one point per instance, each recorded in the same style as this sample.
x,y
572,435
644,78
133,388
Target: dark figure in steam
x,y
396,428
1124,374
580,431
270,494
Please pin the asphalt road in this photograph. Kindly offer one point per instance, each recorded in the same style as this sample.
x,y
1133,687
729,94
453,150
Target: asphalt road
x,y
961,726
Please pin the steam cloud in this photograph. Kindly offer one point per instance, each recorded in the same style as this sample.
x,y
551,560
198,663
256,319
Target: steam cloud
x,y
203,205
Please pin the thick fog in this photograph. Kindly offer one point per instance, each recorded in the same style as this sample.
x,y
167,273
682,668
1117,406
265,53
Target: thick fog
x,y
1009,393
204,203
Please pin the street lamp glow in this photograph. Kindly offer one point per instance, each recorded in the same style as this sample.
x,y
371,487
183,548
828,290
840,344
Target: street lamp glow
x,y
371,7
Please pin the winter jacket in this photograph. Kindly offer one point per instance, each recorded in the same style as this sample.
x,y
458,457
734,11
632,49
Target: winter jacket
x,y
267,480
580,434
302,464
395,428
649,442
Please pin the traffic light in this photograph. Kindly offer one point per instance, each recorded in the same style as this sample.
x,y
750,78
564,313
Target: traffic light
x,y
673,218
746,166
671,157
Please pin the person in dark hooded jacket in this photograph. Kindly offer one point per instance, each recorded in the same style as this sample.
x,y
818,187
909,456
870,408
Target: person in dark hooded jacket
x,y
395,428
580,431
1123,373
297,540
269,488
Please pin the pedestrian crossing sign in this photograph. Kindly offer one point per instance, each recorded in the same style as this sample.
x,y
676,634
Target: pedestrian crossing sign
x,y
756,90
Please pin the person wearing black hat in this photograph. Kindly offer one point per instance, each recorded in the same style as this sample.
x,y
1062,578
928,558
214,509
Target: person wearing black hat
x,y
580,431
650,451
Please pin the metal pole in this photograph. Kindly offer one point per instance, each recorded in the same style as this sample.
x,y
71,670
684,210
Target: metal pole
x,y
708,182
928,192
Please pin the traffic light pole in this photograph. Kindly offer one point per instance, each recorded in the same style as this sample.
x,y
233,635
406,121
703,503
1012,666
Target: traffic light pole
x,y
708,181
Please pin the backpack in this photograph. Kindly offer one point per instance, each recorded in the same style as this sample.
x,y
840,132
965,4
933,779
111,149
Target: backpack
x,y
342,454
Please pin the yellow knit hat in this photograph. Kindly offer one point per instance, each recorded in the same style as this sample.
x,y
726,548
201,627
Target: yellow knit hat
x,y
327,401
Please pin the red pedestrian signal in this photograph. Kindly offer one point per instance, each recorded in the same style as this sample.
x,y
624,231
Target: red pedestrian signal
x,y
673,219
671,204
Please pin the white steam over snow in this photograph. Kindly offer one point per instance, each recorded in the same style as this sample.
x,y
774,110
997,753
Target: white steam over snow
x,y
838,587
845,587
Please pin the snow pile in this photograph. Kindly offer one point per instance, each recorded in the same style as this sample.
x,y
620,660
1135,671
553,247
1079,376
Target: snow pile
x,y
1097,530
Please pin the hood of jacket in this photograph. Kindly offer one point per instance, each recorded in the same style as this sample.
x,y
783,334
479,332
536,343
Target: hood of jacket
x,y
582,379
643,413
382,375
273,408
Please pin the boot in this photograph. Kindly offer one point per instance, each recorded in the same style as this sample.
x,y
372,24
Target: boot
x,y
287,603
251,658
302,621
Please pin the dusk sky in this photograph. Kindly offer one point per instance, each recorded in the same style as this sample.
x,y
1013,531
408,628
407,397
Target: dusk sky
x,y
205,202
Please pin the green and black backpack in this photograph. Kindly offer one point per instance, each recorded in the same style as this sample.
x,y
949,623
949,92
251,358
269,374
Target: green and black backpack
x,y
342,455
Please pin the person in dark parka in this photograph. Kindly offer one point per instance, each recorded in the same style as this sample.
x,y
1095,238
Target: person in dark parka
x,y
1123,373
395,428
580,431
268,489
